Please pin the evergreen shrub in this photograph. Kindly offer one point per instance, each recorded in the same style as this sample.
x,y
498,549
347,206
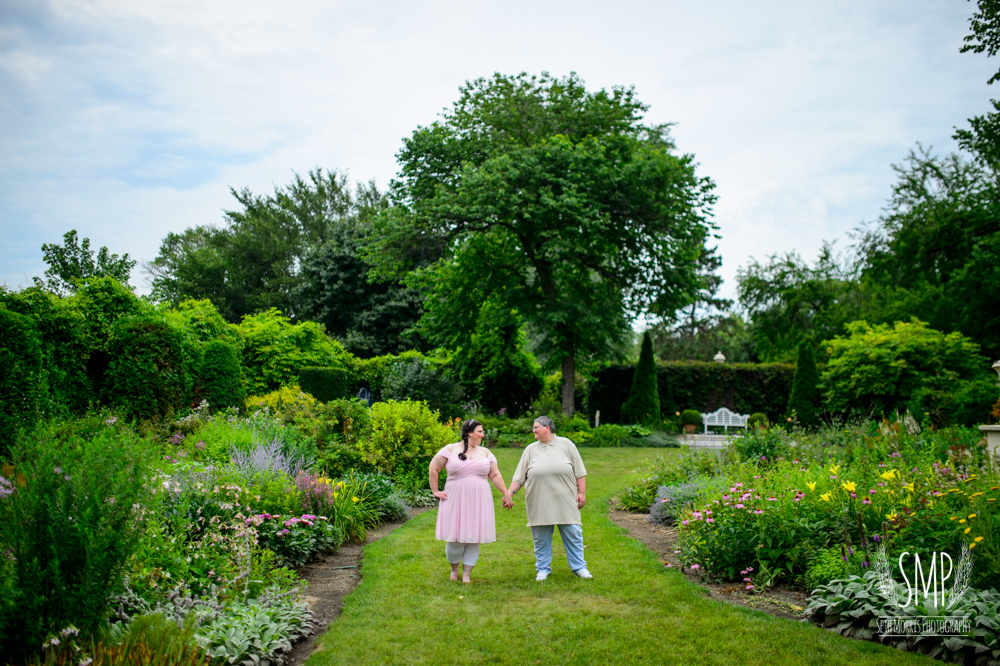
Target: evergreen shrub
x,y
416,379
757,419
69,525
150,373
643,404
804,403
742,387
20,376
220,381
691,417
326,384
102,302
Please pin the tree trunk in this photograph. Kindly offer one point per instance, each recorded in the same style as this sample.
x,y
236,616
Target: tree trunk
x,y
569,384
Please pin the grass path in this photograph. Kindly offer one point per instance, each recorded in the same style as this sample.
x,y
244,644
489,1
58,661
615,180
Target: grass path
x,y
405,611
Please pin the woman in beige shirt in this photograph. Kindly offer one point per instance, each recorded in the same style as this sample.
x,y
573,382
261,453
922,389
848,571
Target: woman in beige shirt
x,y
555,489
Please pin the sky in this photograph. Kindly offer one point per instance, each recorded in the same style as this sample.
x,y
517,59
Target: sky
x,y
129,119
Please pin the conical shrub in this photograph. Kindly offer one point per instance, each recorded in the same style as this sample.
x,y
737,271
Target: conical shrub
x,y
804,403
643,404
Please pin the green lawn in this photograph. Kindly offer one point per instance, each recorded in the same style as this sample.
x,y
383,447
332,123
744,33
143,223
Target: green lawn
x,y
406,611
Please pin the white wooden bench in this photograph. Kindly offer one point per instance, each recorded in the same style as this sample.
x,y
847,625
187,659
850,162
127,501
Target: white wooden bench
x,y
725,418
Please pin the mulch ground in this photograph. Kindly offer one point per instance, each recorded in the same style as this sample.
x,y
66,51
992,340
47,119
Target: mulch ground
x,y
662,540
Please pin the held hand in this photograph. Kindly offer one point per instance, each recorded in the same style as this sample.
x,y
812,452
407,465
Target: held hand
x,y
581,499
440,495
508,502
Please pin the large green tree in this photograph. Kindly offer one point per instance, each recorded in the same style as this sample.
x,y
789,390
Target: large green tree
x,y
983,136
558,202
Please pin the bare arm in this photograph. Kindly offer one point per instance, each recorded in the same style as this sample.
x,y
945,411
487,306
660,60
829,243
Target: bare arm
x,y
581,495
497,478
437,464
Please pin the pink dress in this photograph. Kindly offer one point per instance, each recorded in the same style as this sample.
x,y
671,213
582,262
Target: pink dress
x,y
467,515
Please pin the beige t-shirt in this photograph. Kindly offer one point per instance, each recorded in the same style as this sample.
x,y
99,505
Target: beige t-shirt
x,y
548,473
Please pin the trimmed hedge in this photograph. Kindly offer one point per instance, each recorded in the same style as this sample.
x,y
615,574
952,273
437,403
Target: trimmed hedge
x,y
326,384
221,378
150,372
742,387
20,376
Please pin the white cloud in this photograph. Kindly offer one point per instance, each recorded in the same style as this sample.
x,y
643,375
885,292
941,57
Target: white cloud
x,y
126,120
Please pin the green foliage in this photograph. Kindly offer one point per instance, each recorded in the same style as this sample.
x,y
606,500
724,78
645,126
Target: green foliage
x,y
204,322
691,417
494,368
20,376
853,606
667,472
416,379
828,565
405,436
220,380
643,404
585,216
102,302
70,526
804,403
326,384
276,350
73,263
757,419
61,330
743,387
150,373
251,633
671,500
880,368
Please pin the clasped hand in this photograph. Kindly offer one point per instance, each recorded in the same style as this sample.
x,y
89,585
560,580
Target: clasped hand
x,y
508,502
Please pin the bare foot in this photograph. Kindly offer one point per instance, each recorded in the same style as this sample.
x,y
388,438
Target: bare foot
x,y
453,576
466,579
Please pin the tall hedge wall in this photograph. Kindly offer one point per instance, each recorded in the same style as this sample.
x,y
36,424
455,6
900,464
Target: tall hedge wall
x,y
744,388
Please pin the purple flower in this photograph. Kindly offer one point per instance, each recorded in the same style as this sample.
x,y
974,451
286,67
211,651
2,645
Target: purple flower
x,y
850,551
876,538
199,445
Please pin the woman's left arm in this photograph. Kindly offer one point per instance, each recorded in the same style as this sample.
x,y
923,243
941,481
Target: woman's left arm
x,y
497,478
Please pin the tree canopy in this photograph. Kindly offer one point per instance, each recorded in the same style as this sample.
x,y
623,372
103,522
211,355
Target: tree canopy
x,y
558,203
73,262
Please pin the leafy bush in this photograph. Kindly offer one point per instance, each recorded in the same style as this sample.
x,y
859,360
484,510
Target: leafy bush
x,y
757,419
416,379
20,376
150,373
761,444
276,350
829,564
252,633
69,524
853,606
691,417
380,493
102,302
665,472
220,380
879,369
405,436
326,384
296,540
643,404
804,403
671,500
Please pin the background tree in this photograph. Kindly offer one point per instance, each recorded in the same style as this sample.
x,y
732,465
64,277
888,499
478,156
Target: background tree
x,y
558,202
73,262
983,137
804,402
643,404
789,301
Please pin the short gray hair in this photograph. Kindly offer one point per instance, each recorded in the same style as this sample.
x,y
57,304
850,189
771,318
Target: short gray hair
x,y
546,422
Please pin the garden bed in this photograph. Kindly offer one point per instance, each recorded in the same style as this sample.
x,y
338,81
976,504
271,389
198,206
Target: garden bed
x,y
779,601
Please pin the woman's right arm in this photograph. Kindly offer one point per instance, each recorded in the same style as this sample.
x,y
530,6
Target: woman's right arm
x,y
437,464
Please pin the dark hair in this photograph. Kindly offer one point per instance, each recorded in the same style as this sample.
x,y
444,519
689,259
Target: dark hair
x,y
467,428
546,422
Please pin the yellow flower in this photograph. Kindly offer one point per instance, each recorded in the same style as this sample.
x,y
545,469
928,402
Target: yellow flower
x,y
850,486
962,521
909,486
972,545
953,518
811,486
825,497
978,539
354,499
890,475
835,469
891,516
967,530
971,516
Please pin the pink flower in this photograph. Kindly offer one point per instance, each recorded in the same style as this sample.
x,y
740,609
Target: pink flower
x,y
740,506
695,567
750,587
684,522
710,520
758,512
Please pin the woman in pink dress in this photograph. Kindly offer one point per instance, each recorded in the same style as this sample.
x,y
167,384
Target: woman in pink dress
x,y
465,514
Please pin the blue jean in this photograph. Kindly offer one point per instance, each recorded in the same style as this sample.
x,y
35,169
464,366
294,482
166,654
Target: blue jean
x,y
572,538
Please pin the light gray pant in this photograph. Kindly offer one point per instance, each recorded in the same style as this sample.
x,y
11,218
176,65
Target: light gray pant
x,y
466,553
